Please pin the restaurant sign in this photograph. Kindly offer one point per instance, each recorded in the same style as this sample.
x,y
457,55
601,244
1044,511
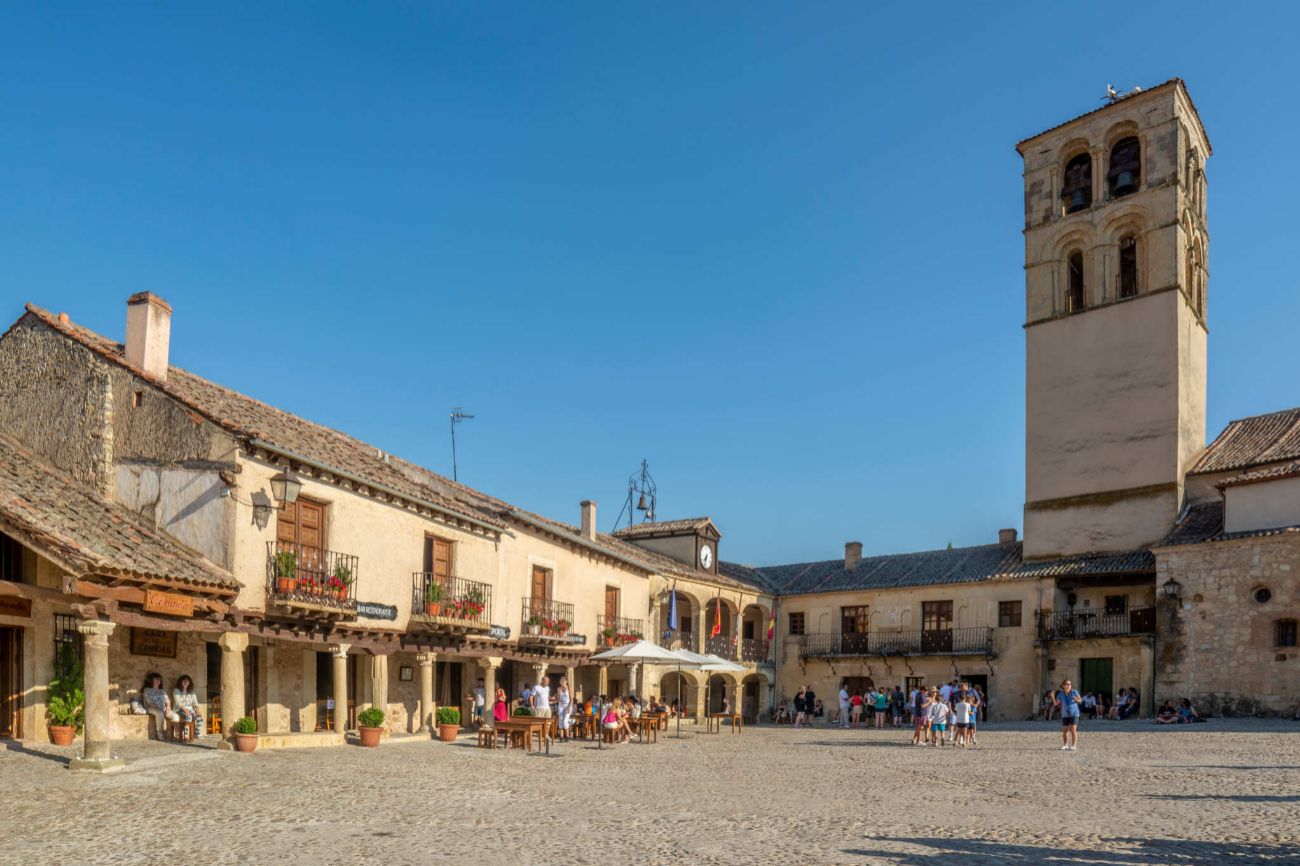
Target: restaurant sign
x,y
499,632
372,610
153,642
169,603
11,606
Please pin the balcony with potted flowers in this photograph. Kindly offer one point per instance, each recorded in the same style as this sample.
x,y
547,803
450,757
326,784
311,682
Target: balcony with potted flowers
x,y
311,580
450,605
547,622
619,630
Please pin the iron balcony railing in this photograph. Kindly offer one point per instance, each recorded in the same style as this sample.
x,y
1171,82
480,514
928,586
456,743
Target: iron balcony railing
x,y
753,650
451,601
974,640
723,646
544,619
677,639
1067,625
311,575
619,630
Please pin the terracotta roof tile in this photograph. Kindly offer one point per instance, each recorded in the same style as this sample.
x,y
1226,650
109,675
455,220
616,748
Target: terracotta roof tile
x,y
78,529
1253,441
1272,473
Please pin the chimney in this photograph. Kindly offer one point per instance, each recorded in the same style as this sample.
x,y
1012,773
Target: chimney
x,y
588,519
148,334
1006,536
852,554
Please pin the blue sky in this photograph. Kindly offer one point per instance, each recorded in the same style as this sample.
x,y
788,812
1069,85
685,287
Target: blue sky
x,y
773,248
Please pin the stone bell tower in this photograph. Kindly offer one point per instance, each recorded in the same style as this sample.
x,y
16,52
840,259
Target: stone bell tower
x,y
1115,326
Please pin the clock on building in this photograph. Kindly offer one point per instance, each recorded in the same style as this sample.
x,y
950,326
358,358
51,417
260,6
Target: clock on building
x,y
706,556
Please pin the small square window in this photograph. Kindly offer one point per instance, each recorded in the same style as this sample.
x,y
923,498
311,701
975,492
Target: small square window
x,y
796,623
1008,614
137,398
1116,604
1284,632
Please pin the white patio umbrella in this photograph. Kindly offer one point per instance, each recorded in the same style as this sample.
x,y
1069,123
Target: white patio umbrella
x,y
712,664
643,652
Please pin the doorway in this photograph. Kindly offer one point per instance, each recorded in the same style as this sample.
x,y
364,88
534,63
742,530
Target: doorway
x,y
11,683
749,703
1095,676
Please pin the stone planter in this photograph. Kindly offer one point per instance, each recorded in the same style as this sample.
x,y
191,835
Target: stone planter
x,y
447,733
245,742
369,736
62,735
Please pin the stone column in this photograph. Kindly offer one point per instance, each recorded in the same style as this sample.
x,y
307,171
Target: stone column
x,y
1146,654
633,671
270,687
379,682
427,661
740,632
571,674
95,754
232,645
702,698
489,666
339,653
733,695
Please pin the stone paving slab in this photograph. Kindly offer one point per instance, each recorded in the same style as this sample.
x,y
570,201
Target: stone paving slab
x,y
1227,791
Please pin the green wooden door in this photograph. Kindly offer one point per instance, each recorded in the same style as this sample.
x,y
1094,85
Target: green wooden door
x,y
1095,676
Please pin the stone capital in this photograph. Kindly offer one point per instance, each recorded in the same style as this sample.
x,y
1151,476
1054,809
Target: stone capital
x,y
340,650
233,641
95,632
426,659
490,662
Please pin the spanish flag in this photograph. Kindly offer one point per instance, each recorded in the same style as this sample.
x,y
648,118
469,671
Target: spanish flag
x,y
717,617
771,625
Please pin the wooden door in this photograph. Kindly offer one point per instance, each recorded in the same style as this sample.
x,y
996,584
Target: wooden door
x,y
11,683
936,626
300,527
540,596
1095,675
611,605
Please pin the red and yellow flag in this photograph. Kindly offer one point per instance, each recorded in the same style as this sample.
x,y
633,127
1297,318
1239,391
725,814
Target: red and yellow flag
x,y
717,617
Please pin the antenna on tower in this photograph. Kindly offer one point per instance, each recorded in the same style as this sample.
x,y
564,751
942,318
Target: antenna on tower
x,y
642,495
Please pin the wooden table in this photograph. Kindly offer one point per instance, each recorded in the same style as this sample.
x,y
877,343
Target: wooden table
x,y
715,721
647,727
526,727
660,718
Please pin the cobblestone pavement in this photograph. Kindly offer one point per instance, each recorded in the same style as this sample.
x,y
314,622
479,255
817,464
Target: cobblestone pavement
x,y
1132,794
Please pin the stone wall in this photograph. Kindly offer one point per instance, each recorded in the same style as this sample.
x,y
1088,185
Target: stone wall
x,y
1217,646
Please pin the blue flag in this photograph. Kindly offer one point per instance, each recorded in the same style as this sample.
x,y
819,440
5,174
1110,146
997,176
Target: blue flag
x,y
672,609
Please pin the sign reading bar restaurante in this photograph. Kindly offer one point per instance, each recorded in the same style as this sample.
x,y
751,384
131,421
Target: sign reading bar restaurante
x,y
168,602
371,610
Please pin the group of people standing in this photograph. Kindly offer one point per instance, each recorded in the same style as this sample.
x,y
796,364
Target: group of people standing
x,y
1097,705
948,714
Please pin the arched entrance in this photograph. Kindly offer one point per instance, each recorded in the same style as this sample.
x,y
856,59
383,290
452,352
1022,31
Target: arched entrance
x,y
688,620
675,686
721,688
753,634
723,644
754,700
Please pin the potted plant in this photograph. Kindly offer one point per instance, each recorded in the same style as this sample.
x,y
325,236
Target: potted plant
x,y
245,734
534,624
521,711
286,571
448,720
433,593
341,580
608,635
562,627
66,706
472,603
370,723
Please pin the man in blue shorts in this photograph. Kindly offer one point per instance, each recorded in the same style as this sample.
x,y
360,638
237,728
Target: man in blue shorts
x,y
1067,698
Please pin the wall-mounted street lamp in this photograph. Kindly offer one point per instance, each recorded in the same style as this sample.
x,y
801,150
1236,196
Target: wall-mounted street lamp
x,y
1172,589
285,487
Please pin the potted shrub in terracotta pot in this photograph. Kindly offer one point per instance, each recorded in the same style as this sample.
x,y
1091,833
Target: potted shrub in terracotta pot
x,y
448,719
245,734
341,581
370,725
433,593
608,635
286,570
66,705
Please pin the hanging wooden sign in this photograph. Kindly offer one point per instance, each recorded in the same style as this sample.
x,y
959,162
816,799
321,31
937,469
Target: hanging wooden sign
x,y
13,606
169,603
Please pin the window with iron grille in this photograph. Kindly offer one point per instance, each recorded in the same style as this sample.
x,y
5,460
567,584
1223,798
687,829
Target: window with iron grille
x,y
796,623
67,641
1284,632
1008,614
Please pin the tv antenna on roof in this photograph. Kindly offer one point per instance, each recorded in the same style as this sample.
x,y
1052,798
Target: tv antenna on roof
x,y
642,495
457,415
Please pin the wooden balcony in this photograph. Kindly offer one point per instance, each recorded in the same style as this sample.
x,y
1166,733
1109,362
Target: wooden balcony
x,y
977,640
311,580
1076,625
450,605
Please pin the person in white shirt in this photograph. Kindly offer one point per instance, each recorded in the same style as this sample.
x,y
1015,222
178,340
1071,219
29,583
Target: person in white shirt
x,y
563,706
961,712
480,702
844,705
938,714
540,703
